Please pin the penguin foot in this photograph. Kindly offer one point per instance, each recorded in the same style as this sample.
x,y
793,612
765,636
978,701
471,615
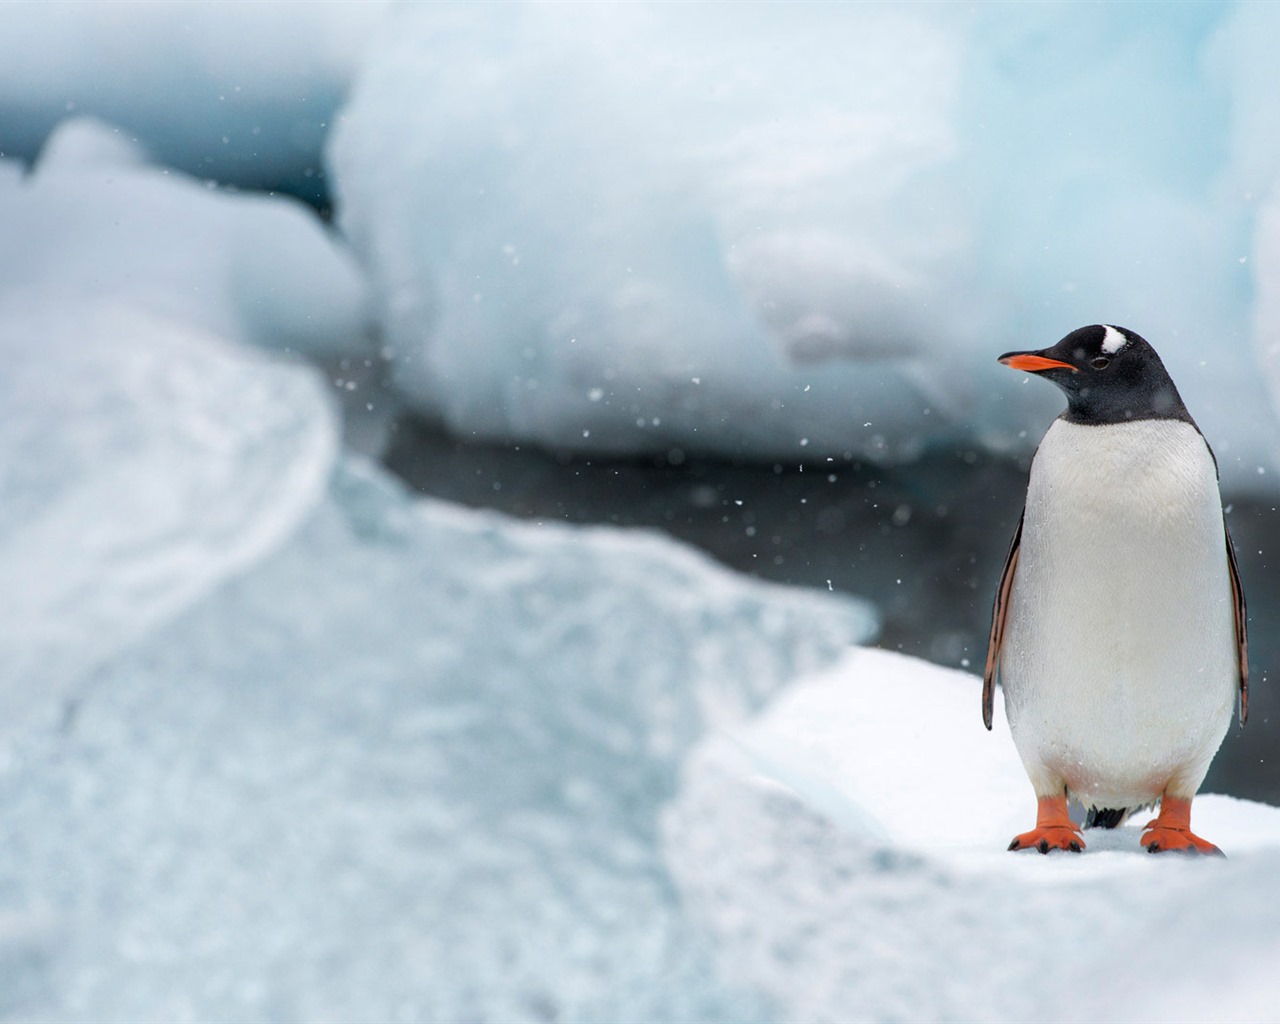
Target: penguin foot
x,y
1054,829
1054,837
1158,839
1171,831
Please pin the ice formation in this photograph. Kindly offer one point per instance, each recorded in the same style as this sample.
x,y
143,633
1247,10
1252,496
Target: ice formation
x,y
242,93
588,227
97,222
144,455
407,767
141,463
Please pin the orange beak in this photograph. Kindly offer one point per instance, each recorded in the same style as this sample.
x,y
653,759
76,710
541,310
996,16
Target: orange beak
x,y
1034,364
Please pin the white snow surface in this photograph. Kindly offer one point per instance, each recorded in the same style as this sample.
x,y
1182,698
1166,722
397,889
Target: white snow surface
x,y
408,767
238,92
97,222
141,463
145,453
809,230
846,850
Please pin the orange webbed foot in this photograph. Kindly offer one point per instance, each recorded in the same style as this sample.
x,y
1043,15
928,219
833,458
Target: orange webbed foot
x,y
1171,831
1053,837
1054,829
1169,840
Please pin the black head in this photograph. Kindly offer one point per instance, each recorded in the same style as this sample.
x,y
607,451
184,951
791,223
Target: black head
x,y
1109,375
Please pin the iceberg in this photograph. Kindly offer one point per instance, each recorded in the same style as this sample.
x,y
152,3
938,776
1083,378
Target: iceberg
x,y
95,220
240,93
586,228
806,231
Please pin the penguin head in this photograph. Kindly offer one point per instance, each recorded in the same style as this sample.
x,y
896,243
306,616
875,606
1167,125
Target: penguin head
x,y
1109,375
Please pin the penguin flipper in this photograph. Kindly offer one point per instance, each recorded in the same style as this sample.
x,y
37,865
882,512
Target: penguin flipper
x,y
999,614
1242,629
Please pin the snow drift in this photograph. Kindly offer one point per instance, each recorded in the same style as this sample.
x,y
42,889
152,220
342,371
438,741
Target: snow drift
x,y
846,851
141,463
96,221
145,456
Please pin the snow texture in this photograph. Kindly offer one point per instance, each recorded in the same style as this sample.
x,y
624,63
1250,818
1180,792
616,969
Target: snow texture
x,y
809,229
96,222
407,767
141,463
241,93
280,742
846,852
145,456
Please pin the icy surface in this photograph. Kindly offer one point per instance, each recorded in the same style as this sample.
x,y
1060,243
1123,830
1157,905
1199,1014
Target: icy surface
x,y
141,463
144,455
590,229
239,92
811,229
96,222
408,767
847,852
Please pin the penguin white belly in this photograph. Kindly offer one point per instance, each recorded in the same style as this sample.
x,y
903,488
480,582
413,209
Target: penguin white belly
x,y
1119,661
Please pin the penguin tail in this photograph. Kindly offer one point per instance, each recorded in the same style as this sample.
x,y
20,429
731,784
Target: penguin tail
x,y
1107,817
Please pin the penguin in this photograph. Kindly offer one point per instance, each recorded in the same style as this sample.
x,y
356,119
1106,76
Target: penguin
x,y
1118,632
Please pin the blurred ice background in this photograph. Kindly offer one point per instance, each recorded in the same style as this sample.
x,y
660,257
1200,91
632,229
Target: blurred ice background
x,y
371,373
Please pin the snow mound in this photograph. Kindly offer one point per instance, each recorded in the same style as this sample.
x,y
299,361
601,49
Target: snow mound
x,y
407,767
846,852
96,223
141,463
238,92
632,228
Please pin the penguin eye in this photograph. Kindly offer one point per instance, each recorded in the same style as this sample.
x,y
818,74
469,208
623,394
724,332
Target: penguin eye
x,y
1101,363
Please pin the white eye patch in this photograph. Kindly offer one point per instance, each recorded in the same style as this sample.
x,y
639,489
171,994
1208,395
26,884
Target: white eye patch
x,y
1112,340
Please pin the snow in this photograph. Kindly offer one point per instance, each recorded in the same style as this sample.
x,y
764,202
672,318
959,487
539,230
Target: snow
x,y
145,454
242,92
846,850
835,216
141,463
97,222
406,767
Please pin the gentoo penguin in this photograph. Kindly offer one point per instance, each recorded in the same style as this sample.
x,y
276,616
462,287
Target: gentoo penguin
x,y
1118,633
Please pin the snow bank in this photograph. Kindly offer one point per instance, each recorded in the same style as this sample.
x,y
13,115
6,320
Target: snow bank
x,y
242,93
807,230
95,223
145,456
141,463
846,852
408,767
